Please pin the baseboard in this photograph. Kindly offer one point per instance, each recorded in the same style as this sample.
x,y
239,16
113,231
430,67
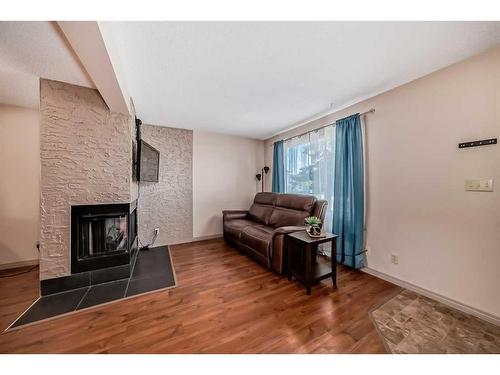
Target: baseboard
x,y
24,263
435,296
210,237
193,239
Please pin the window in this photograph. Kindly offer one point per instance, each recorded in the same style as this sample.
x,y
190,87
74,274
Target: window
x,y
309,167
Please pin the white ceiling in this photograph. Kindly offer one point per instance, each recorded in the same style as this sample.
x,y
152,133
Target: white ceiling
x,y
30,50
255,79
252,79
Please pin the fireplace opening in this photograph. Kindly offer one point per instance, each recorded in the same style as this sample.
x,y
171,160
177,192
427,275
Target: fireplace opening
x,y
102,235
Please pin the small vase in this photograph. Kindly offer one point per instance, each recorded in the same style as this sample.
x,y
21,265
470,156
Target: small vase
x,y
314,230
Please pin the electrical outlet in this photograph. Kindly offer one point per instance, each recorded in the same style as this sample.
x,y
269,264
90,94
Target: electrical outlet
x,y
394,259
485,184
157,230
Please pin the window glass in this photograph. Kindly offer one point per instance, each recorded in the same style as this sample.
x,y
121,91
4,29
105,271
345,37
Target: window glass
x,y
309,167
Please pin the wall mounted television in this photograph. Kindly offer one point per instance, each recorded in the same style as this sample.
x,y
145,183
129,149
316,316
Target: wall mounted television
x,y
148,162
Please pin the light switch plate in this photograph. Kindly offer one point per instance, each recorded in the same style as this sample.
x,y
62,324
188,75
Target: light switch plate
x,y
485,184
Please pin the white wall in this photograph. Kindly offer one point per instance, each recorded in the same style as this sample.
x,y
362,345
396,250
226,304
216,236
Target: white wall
x,y
224,169
19,185
447,239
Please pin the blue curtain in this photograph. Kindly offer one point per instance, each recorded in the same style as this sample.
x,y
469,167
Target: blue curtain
x,y
348,207
278,168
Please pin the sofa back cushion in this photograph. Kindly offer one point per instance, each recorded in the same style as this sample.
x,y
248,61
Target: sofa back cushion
x,y
291,209
262,207
260,213
283,217
265,198
281,210
296,202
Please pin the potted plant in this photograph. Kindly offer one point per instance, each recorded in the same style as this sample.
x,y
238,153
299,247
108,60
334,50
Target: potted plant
x,y
313,224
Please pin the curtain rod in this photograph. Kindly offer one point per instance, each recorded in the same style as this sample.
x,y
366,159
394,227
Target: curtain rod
x,y
372,110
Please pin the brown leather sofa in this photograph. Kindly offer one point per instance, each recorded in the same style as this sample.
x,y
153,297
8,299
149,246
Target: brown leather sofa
x,y
260,231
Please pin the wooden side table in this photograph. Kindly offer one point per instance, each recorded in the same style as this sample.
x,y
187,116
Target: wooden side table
x,y
307,247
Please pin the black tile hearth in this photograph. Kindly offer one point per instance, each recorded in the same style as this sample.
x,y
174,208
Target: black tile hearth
x,y
103,293
152,263
52,305
153,270
62,284
147,285
109,274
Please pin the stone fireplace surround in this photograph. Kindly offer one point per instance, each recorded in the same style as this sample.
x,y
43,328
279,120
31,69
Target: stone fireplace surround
x,y
86,159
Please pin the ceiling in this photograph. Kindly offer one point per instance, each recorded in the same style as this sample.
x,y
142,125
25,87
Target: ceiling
x,y
255,79
30,50
252,79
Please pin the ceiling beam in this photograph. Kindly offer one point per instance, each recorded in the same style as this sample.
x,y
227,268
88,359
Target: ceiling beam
x,y
87,40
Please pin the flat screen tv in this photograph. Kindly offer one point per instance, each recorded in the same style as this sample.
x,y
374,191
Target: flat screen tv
x,y
148,163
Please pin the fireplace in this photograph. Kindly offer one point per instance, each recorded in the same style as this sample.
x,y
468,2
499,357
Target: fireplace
x,y
102,235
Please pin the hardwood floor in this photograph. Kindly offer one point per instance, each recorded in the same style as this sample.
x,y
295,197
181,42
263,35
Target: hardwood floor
x,y
224,303
17,293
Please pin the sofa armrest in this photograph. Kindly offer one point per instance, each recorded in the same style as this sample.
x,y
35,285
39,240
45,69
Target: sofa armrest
x,y
234,214
278,253
289,229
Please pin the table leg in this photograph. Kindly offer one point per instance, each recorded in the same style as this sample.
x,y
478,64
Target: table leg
x,y
307,276
289,251
334,261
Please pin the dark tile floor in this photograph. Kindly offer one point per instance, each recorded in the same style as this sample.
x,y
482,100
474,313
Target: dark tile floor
x,y
153,270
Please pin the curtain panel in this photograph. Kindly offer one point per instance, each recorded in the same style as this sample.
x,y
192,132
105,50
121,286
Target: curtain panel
x,y
278,183
349,203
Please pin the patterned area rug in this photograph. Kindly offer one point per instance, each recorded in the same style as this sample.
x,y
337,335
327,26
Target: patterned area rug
x,y
412,323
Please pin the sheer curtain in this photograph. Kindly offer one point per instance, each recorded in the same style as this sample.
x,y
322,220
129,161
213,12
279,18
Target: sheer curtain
x,y
309,167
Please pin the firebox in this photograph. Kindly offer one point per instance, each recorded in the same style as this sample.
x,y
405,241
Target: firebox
x,y
102,235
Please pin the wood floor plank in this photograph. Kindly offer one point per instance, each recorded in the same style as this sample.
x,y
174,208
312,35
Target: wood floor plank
x,y
17,293
224,303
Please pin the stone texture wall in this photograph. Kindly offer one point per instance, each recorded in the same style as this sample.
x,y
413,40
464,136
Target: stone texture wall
x,y
86,158
168,204
134,185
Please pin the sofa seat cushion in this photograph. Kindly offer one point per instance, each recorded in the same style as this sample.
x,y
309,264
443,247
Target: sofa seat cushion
x,y
258,237
234,227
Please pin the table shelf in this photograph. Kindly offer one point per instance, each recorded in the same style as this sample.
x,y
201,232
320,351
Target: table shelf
x,y
319,271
